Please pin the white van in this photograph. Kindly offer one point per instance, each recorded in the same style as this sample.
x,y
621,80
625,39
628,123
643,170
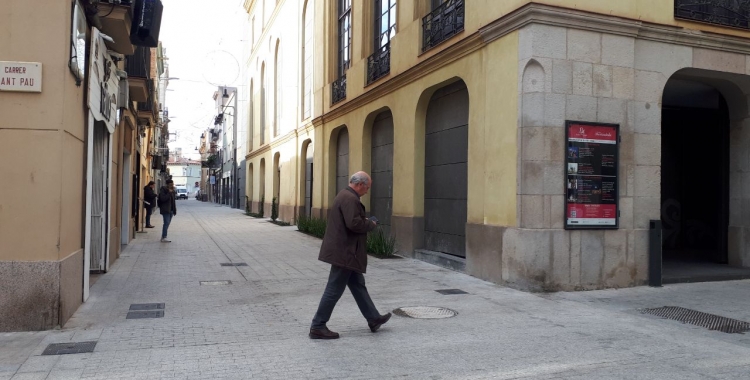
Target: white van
x,y
181,192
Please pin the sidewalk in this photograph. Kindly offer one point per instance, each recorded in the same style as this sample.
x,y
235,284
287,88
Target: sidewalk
x,y
256,327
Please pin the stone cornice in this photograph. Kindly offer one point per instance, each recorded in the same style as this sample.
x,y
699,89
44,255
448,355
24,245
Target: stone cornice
x,y
570,18
263,149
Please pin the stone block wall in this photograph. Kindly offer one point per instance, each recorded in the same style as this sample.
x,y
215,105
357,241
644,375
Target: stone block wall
x,y
572,74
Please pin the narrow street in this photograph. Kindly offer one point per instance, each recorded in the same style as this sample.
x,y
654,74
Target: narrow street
x,y
256,327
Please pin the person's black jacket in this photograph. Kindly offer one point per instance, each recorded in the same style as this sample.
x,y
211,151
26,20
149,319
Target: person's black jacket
x,y
149,196
167,204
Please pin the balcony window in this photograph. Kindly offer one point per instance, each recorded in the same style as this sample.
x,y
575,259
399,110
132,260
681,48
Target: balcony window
x,y
379,63
338,90
445,21
734,14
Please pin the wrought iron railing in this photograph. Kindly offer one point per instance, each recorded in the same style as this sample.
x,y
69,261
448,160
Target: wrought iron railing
x,y
734,13
442,23
338,90
138,65
379,63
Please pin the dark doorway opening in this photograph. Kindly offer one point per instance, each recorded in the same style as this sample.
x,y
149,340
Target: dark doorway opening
x,y
694,182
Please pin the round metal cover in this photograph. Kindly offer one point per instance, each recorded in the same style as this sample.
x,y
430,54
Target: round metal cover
x,y
425,312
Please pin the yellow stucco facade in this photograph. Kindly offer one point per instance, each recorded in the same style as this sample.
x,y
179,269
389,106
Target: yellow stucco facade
x,y
527,66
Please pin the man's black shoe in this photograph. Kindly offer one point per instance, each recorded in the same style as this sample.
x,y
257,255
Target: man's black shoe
x,y
323,333
379,321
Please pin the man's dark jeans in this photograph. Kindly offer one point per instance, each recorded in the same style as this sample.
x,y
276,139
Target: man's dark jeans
x,y
338,280
165,227
149,211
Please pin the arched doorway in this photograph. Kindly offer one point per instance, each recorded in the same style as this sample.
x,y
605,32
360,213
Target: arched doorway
x,y
307,176
262,187
446,170
250,188
381,193
342,160
277,177
701,191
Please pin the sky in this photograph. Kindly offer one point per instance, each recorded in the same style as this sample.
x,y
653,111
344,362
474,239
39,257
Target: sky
x,y
203,41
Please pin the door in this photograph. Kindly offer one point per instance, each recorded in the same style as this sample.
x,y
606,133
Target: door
x,y
446,170
99,195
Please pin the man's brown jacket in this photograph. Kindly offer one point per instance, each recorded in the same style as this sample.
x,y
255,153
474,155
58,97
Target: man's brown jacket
x,y
344,243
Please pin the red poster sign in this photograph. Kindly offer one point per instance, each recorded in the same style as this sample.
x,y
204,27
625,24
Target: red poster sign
x,y
591,166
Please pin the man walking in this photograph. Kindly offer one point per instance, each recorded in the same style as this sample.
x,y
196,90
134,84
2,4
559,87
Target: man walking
x,y
149,201
343,247
167,207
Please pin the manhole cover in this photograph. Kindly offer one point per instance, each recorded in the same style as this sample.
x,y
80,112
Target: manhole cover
x,y
226,282
425,312
147,306
234,264
145,314
69,348
451,291
699,318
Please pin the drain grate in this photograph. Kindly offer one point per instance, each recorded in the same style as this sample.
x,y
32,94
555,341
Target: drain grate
x,y
234,264
147,306
142,314
699,318
425,312
69,348
225,282
451,291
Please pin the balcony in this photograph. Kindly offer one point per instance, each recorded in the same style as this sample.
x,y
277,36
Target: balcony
x,y
116,20
735,14
379,63
138,67
444,22
147,110
338,90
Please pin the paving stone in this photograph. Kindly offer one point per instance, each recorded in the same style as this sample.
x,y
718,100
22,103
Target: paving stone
x,y
256,328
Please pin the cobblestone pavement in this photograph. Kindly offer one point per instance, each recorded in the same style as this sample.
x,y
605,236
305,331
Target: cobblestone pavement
x,y
256,327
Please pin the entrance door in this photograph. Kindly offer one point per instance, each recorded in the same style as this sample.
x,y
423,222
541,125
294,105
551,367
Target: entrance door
x,y
126,193
381,193
446,170
309,180
99,195
695,183
342,160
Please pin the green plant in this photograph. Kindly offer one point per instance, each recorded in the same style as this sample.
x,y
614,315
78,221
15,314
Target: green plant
x,y
247,205
311,225
380,243
262,204
274,209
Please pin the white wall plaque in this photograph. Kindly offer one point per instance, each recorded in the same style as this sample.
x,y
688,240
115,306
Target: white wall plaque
x,y
20,76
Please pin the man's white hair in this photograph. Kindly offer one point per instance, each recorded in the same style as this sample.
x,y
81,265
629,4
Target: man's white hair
x,y
358,178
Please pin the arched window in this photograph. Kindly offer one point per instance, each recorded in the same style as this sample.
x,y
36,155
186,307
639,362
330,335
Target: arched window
x,y
277,91
263,104
307,60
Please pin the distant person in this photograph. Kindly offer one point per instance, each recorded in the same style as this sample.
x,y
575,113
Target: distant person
x,y
344,248
149,201
167,207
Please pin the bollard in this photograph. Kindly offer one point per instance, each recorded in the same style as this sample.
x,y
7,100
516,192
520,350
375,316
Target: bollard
x,y
654,253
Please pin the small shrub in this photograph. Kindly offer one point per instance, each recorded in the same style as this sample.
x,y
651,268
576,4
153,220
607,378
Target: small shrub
x,y
381,244
311,225
274,209
262,205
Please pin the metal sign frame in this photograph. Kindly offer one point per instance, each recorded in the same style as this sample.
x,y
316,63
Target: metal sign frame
x,y
566,173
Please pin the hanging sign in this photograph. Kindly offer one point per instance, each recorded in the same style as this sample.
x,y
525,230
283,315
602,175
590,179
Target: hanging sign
x,y
103,83
20,76
591,175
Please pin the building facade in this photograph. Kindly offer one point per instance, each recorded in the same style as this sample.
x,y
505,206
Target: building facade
x,y
479,122
282,103
72,149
